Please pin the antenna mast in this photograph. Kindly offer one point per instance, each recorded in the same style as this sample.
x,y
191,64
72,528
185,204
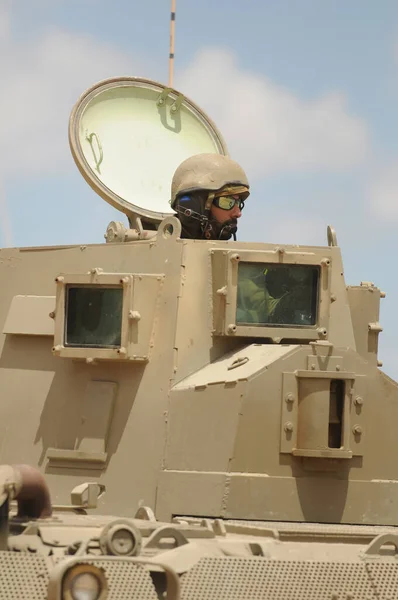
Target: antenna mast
x,y
172,31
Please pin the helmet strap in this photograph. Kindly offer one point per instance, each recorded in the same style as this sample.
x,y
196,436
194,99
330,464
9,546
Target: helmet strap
x,y
209,201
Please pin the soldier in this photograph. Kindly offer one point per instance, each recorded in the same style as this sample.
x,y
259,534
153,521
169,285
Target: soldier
x,y
208,193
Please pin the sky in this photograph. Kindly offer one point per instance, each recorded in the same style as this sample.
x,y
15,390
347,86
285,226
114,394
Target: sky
x,y
304,93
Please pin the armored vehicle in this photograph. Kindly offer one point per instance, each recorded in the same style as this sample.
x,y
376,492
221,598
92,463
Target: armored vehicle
x,y
210,416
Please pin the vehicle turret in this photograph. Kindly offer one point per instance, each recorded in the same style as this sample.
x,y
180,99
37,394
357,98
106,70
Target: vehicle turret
x,y
232,387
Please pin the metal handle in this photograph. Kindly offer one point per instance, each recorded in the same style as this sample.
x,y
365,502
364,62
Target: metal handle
x,y
98,160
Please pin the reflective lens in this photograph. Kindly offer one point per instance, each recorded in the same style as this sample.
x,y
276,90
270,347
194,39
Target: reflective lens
x,y
85,586
228,202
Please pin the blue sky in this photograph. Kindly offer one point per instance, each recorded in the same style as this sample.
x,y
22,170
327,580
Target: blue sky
x,y
304,92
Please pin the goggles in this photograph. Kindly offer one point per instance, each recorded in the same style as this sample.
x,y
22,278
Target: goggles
x,y
228,202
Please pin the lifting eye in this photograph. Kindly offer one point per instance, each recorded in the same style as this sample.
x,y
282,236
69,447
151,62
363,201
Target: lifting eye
x,y
238,362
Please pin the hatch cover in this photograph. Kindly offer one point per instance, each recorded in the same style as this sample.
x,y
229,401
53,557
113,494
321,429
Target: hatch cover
x,y
128,135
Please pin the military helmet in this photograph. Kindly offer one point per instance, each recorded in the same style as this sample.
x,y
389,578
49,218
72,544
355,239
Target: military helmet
x,y
210,172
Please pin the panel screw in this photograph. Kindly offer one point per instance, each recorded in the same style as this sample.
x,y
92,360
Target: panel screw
x,y
134,315
52,314
289,398
358,401
357,430
288,427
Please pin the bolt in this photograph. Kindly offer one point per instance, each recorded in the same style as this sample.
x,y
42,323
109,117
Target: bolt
x,y
60,279
134,315
333,298
312,367
235,258
57,349
338,367
288,427
325,262
122,351
124,280
358,401
231,329
52,314
289,398
357,430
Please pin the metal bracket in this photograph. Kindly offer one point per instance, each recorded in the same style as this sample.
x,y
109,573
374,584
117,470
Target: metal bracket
x,y
98,160
166,532
86,495
332,237
376,545
175,107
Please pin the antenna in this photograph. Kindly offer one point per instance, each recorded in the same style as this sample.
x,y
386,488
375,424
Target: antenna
x,y
172,30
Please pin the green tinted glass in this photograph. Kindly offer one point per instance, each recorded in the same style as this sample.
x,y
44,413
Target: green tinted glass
x,y
93,316
282,295
228,202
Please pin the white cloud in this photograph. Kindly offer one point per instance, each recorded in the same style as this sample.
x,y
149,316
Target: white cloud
x,y
268,128
4,23
41,80
383,193
289,229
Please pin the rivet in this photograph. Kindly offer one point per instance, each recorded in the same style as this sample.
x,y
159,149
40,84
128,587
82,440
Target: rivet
x,y
134,315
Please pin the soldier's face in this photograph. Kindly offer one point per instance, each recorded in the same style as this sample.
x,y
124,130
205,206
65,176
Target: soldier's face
x,y
221,215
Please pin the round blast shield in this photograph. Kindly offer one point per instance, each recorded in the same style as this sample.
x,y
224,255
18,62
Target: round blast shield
x,y
128,135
